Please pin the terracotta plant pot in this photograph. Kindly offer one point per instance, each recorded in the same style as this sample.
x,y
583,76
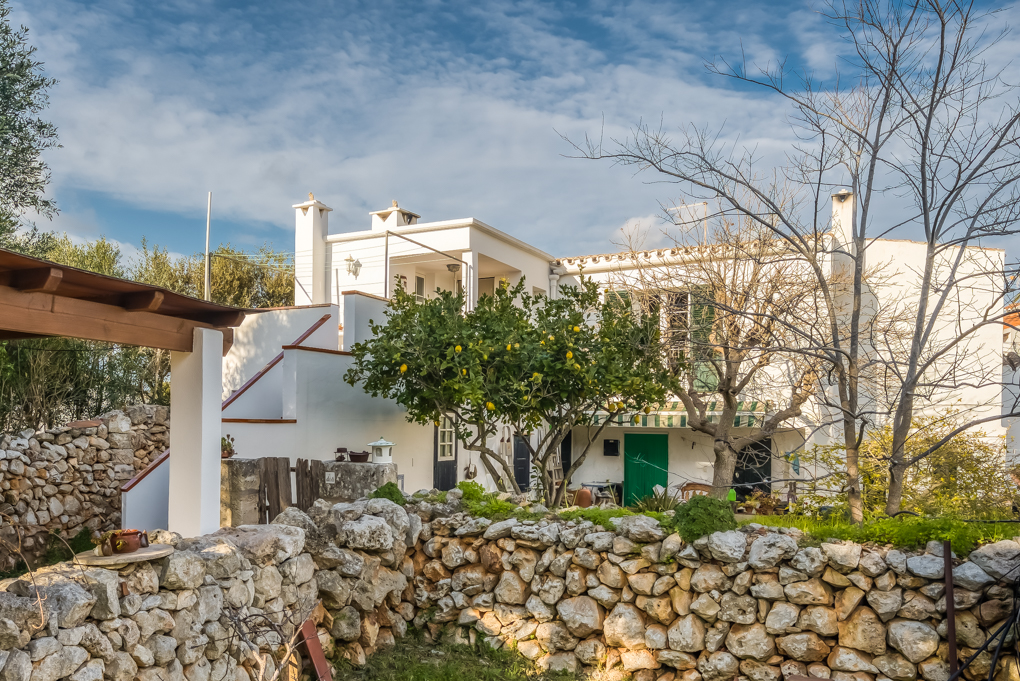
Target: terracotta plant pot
x,y
128,541
583,498
226,453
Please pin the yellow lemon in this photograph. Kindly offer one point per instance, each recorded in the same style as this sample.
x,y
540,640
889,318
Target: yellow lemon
x,y
636,419
490,406
570,355
403,368
485,357
576,329
463,371
508,347
457,349
648,410
436,422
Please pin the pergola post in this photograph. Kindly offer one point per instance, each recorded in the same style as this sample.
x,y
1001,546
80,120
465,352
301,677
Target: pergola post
x,y
197,378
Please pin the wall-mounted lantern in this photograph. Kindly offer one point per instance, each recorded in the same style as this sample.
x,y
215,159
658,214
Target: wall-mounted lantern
x,y
382,451
353,266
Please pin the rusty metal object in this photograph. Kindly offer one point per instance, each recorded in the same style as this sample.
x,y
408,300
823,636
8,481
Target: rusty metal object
x,y
947,554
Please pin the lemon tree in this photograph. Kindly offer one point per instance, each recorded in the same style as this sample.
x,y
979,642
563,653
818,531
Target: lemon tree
x,y
540,366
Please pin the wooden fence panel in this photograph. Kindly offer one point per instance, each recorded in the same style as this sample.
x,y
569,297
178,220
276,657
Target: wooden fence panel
x,y
274,487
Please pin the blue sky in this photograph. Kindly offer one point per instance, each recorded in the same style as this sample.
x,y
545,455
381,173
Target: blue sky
x,y
453,108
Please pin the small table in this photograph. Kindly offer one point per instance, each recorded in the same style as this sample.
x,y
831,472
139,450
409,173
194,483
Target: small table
x,y
603,490
150,552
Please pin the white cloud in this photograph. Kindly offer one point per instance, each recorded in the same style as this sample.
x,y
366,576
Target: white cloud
x,y
147,117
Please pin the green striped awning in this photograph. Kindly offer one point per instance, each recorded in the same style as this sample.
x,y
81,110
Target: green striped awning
x,y
673,415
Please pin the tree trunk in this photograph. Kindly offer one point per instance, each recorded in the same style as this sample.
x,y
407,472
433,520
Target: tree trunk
x,y
897,471
853,474
725,465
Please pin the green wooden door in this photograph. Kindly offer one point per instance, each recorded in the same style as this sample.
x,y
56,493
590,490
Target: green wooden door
x,y
645,464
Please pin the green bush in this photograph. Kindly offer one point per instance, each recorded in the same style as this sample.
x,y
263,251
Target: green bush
x,y
703,515
389,491
598,516
658,502
471,489
903,531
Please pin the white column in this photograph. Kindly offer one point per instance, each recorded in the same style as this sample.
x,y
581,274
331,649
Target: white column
x,y
196,377
843,220
311,271
469,278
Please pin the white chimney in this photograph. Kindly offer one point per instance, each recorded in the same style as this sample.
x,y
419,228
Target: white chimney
x,y
311,269
392,218
843,220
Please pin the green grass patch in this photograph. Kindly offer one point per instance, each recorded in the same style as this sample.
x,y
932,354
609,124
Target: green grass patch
x,y
414,659
389,491
904,531
594,514
56,551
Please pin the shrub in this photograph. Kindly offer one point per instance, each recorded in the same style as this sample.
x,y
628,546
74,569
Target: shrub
x,y
658,502
598,516
703,515
389,491
471,489
903,531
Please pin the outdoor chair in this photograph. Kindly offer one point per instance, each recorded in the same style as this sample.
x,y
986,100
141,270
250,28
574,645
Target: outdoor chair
x,y
692,489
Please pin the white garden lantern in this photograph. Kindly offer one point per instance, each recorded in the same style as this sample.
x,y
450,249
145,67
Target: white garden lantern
x,y
382,451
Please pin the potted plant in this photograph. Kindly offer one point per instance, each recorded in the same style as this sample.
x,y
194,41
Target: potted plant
x,y
226,446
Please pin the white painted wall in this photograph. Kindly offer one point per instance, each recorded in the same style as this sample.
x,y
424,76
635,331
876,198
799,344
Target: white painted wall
x,y
262,335
146,505
194,478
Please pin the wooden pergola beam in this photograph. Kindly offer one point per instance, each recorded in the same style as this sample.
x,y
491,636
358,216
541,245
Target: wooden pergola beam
x,y
144,301
45,314
43,279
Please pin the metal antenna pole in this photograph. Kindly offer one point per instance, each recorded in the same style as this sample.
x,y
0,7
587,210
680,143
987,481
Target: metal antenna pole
x,y
208,262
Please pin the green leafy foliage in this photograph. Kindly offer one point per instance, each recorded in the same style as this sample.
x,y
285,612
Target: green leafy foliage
x,y
658,502
389,491
417,660
902,531
968,477
471,489
515,358
596,515
703,515
24,135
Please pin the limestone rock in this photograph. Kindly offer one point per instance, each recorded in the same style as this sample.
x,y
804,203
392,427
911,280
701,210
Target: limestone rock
x,y
970,576
863,630
998,559
896,667
582,615
263,544
555,636
916,640
885,604
639,528
687,634
511,589
850,660
368,533
819,619
805,647
625,627
812,592
708,577
810,560
738,609
719,666
844,557
728,547
750,641
769,550
927,566
782,619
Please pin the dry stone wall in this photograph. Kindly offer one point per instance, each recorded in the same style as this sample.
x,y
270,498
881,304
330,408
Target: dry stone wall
x,y
68,478
752,605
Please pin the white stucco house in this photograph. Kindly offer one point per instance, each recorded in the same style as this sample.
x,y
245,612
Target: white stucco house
x,y
283,387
